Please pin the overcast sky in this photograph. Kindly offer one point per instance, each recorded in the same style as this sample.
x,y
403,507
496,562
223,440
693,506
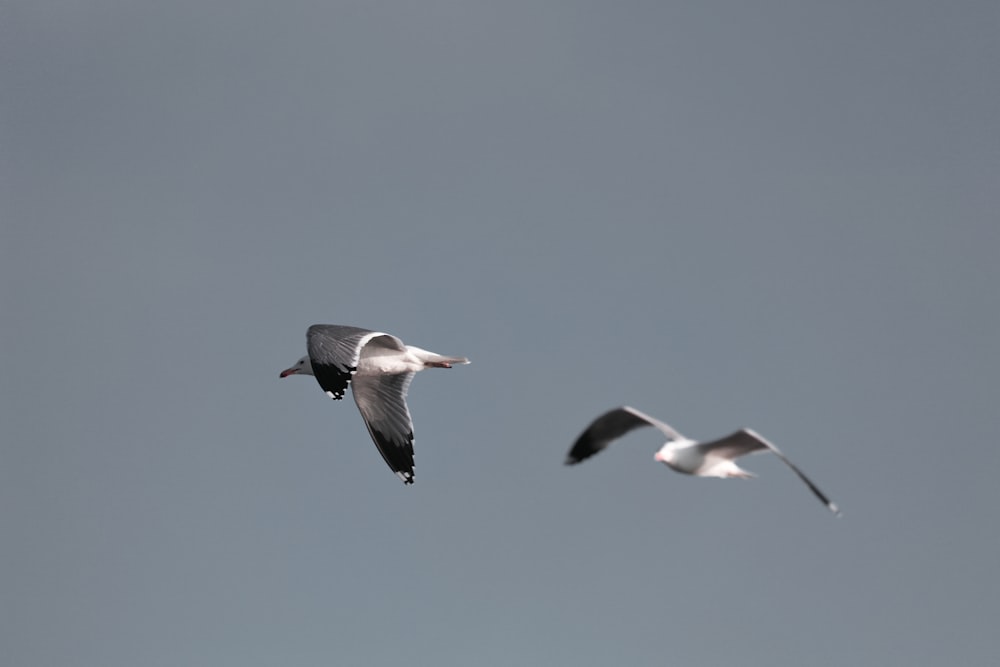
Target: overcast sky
x,y
779,215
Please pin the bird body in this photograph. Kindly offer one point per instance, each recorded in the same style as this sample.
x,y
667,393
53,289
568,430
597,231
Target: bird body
x,y
379,368
684,457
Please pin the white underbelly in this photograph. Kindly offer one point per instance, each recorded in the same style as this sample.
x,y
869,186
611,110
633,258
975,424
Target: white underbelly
x,y
387,364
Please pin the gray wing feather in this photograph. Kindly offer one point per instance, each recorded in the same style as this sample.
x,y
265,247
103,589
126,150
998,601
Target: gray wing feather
x,y
746,441
734,445
337,345
664,427
382,402
609,427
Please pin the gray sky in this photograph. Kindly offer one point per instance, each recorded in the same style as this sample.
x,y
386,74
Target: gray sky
x,y
776,215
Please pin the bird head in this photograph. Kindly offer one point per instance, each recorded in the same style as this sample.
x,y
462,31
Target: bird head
x,y
300,367
664,455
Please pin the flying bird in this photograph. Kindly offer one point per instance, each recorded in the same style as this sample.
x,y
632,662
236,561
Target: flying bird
x,y
707,459
379,367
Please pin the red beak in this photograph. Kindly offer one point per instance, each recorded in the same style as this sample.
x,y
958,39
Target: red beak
x,y
288,371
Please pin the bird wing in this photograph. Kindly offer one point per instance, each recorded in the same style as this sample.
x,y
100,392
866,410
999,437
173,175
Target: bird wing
x,y
382,402
746,441
609,427
733,446
334,351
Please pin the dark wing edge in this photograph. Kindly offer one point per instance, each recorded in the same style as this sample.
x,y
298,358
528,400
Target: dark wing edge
x,y
333,380
832,506
601,432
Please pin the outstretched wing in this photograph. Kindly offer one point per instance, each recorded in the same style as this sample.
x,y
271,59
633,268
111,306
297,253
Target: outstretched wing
x,y
382,402
609,427
733,446
746,441
334,351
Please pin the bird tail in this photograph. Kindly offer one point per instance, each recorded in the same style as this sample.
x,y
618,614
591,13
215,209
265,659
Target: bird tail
x,y
444,362
433,360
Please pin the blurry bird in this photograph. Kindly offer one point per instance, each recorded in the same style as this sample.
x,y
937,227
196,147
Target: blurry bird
x,y
708,459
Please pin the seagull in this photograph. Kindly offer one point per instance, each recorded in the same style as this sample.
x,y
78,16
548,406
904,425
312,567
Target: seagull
x,y
707,459
379,367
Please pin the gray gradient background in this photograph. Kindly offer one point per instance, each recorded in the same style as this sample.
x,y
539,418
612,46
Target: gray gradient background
x,y
776,214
